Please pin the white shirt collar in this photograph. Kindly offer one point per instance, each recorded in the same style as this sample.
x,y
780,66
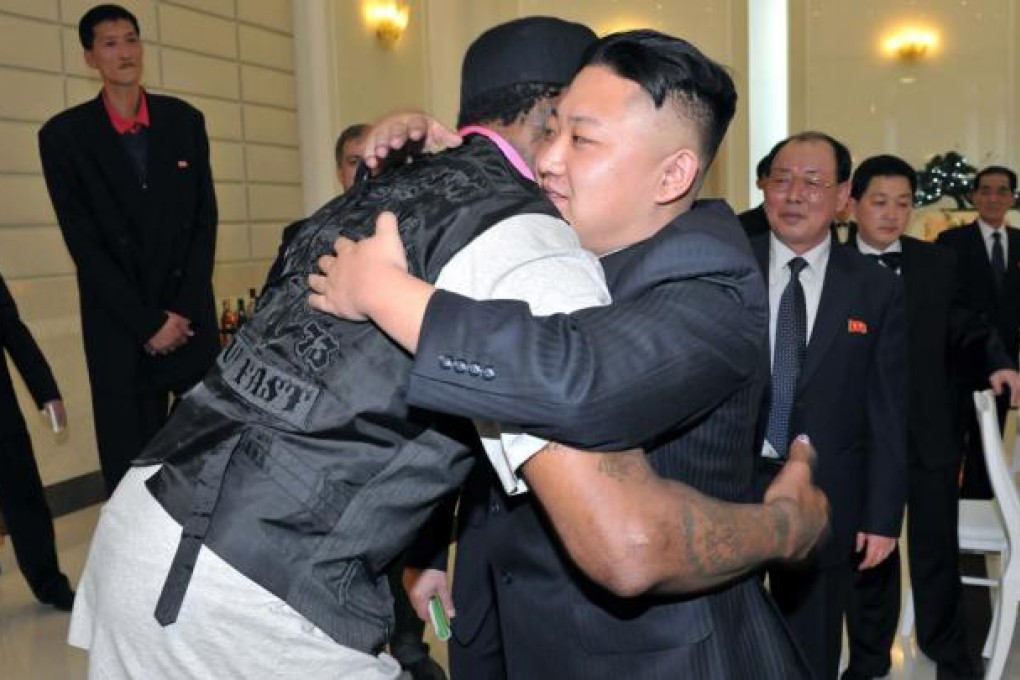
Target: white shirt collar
x,y
987,230
780,255
894,247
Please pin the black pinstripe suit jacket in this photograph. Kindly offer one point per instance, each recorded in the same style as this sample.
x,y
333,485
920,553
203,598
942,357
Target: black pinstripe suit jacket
x,y
675,364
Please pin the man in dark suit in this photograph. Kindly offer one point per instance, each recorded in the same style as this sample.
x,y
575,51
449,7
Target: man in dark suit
x,y
939,325
129,177
22,500
838,375
988,259
676,364
754,220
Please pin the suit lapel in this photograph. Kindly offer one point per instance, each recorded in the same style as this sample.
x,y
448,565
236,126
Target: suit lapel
x,y
116,166
979,257
832,315
913,274
1013,259
760,248
162,163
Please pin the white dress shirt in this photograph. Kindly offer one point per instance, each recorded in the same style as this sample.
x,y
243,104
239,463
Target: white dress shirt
x,y
894,247
812,278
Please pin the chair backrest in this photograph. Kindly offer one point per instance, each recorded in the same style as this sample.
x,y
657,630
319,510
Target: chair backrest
x,y
998,471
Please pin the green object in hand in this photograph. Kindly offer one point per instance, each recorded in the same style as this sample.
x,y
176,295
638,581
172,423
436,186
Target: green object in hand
x,y
440,624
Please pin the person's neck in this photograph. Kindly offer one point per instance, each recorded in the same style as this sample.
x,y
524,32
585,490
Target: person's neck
x,y
124,99
800,249
999,225
516,136
641,228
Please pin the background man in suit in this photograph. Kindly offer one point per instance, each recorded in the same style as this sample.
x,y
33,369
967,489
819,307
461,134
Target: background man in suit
x,y
22,500
129,177
657,367
754,220
838,375
988,257
348,154
939,325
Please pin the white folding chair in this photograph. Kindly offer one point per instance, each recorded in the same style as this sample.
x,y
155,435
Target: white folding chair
x,y
993,527
990,527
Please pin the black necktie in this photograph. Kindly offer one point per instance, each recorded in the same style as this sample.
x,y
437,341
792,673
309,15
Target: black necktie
x,y
787,357
891,260
998,257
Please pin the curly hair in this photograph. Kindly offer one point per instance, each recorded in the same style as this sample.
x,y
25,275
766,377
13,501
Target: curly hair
x,y
506,104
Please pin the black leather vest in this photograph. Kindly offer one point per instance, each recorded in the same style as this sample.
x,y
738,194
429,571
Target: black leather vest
x,y
297,460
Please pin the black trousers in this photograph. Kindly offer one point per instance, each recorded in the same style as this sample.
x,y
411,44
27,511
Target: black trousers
x,y
124,425
481,657
27,516
812,600
874,603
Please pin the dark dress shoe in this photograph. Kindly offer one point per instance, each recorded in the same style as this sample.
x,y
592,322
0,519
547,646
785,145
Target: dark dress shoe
x,y
853,674
62,599
426,669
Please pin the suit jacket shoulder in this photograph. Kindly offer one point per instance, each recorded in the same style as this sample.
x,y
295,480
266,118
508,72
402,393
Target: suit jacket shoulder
x,y
958,235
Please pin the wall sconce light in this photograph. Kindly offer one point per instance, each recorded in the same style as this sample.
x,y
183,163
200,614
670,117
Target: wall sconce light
x,y
388,18
911,45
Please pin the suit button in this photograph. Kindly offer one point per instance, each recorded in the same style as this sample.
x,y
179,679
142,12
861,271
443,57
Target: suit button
x,y
445,362
494,507
460,366
475,370
506,577
488,373
177,273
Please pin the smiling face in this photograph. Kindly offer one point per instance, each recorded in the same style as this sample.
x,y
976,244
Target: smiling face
x,y
803,195
883,211
617,168
116,53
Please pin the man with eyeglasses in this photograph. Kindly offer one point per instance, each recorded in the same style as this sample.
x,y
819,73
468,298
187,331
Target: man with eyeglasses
x,y
836,332
988,255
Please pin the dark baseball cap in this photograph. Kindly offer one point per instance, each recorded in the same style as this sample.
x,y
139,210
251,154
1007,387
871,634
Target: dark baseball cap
x,y
528,50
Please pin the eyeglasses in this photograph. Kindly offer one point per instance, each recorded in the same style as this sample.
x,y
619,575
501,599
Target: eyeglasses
x,y
813,185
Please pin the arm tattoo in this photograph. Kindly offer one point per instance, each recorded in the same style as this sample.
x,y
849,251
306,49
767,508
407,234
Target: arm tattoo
x,y
624,466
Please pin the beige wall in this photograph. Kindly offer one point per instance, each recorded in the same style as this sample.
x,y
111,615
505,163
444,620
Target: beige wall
x,y
234,60
423,70
964,97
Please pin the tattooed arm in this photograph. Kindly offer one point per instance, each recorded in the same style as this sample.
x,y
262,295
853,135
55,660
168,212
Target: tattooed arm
x,y
634,532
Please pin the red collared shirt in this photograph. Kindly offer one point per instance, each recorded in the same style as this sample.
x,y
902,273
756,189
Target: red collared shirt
x,y
131,125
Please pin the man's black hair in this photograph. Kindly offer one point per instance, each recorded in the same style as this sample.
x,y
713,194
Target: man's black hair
x,y
506,104
96,16
996,170
672,69
350,132
844,163
885,165
764,166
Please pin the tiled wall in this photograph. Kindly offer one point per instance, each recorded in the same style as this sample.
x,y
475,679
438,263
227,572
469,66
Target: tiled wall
x,y
234,60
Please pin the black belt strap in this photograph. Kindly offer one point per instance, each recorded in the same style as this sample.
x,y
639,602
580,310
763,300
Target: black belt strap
x,y
207,492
